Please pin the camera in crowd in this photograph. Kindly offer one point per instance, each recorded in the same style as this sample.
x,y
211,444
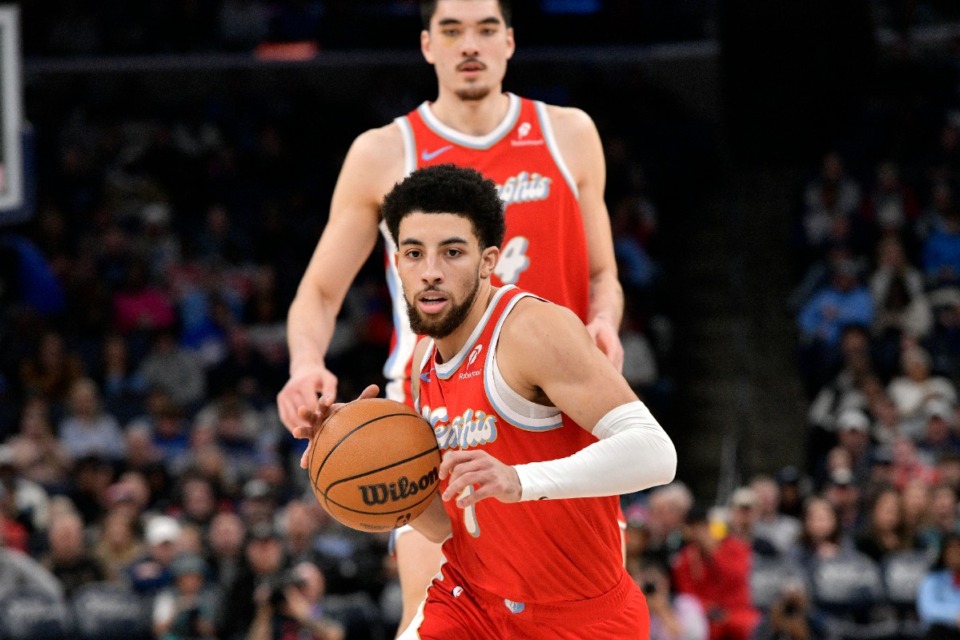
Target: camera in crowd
x,y
279,584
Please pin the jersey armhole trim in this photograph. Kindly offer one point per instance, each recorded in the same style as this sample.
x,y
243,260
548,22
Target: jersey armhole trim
x,y
547,129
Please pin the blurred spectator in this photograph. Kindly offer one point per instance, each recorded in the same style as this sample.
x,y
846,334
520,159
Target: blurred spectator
x,y
123,388
892,206
717,573
67,557
225,541
792,491
902,308
187,610
885,531
19,571
165,421
853,432
829,201
673,616
118,544
87,429
151,572
742,521
29,501
909,466
843,493
37,452
939,436
821,321
264,564
822,536
916,385
51,371
300,527
938,601
941,252
667,507
792,616
199,502
91,476
258,502
779,529
174,369
139,305
942,520
293,607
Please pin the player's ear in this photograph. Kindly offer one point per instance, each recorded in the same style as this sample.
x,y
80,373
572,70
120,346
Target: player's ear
x,y
488,260
425,46
511,43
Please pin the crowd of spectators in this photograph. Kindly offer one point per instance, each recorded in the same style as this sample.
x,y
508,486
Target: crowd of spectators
x,y
877,310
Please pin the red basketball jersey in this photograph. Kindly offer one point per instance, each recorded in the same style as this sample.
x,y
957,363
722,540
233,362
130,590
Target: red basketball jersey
x,y
529,552
544,250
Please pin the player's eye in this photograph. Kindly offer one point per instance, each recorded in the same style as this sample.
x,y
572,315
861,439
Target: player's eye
x,y
450,33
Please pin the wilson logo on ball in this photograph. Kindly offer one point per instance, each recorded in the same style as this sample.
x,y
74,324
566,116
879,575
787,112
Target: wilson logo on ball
x,y
381,492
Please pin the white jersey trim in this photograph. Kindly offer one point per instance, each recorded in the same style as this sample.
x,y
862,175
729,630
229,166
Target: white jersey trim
x,y
473,142
513,407
547,129
395,369
409,145
447,369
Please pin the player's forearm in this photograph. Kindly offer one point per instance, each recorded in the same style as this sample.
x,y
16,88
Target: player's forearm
x,y
434,523
310,324
633,453
606,297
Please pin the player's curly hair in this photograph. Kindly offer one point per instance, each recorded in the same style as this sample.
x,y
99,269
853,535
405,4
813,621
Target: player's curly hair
x,y
447,188
429,7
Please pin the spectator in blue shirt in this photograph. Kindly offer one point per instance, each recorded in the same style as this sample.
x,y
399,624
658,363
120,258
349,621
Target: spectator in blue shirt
x,y
938,599
845,301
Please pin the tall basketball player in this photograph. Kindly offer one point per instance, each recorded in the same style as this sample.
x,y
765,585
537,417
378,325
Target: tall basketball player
x,y
548,164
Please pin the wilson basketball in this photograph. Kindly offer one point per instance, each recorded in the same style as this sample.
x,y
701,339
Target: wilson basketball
x,y
374,464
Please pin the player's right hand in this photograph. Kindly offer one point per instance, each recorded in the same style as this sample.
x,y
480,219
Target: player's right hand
x,y
302,390
309,419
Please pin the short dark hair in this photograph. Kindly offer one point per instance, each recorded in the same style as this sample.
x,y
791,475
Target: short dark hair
x,y
447,188
429,7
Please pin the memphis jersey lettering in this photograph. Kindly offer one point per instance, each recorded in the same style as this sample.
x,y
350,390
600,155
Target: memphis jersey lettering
x,y
472,429
544,249
524,187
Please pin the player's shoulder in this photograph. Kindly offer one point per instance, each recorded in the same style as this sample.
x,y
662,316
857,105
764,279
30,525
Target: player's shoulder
x,y
570,120
380,141
533,316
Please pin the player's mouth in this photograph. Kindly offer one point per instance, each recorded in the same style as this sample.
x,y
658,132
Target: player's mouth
x,y
471,67
431,302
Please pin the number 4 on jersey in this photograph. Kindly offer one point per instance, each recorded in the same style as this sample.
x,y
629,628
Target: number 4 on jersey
x,y
513,260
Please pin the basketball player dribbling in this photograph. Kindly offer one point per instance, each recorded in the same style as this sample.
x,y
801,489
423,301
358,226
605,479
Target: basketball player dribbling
x,y
548,162
539,433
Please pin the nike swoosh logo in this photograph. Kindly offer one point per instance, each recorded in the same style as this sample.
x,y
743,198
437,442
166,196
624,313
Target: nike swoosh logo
x,y
427,156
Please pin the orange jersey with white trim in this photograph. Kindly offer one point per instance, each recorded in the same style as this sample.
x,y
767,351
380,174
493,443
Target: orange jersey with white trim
x,y
529,552
544,249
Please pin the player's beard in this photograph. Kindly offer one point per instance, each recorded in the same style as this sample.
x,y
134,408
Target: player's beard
x,y
473,93
447,323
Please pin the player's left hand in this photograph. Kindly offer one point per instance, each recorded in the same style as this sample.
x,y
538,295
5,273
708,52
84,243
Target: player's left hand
x,y
312,418
489,477
607,338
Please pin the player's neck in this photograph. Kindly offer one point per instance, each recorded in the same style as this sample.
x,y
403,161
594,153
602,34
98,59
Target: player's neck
x,y
449,346
472,117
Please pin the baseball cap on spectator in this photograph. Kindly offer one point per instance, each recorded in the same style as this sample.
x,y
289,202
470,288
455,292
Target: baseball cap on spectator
x,y
841,477
743,497
853,420
162,529
6,455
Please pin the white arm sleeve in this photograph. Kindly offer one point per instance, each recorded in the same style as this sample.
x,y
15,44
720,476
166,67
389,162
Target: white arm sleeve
x,y
634,453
